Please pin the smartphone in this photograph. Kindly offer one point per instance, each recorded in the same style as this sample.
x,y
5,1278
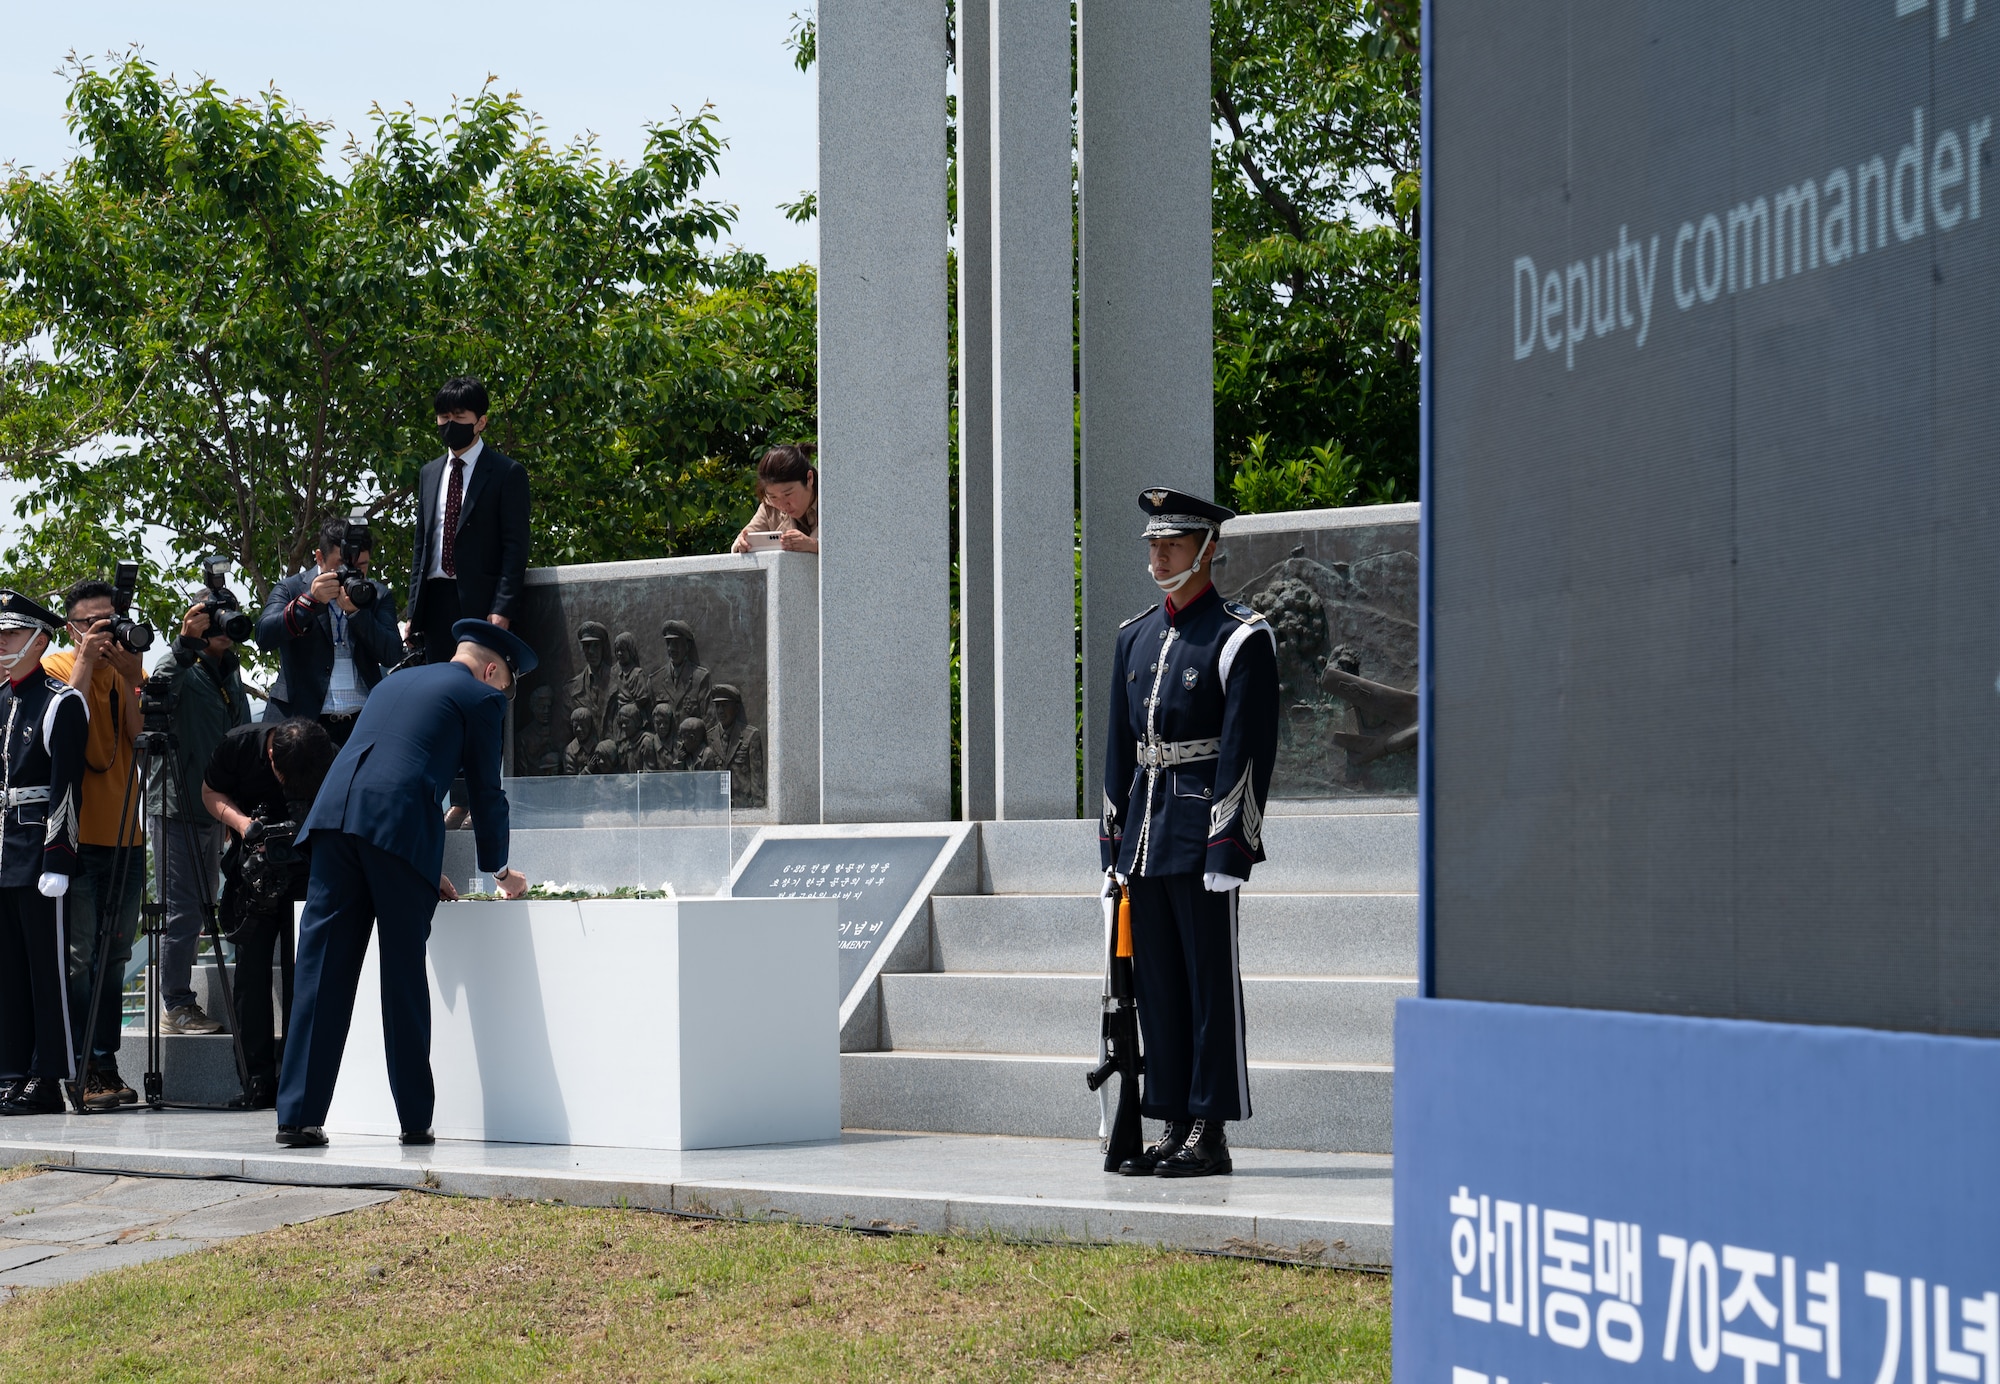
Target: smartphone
x,y
765,540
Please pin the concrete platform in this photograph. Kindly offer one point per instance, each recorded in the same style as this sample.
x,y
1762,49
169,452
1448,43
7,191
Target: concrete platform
x,y
1332,1209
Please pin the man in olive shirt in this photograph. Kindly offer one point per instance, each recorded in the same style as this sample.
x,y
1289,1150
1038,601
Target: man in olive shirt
x,y
207,701
112,857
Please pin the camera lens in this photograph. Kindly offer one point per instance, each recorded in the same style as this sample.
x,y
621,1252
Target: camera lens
x,y
131,635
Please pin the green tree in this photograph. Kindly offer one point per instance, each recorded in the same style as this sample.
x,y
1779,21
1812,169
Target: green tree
x,y
1316,251
207,334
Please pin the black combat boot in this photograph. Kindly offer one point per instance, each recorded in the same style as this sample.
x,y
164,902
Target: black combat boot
x,y
260,1094
38,1095
1204,1153
1141,1164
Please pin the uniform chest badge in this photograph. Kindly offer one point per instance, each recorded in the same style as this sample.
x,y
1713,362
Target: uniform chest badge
x,y
1189,677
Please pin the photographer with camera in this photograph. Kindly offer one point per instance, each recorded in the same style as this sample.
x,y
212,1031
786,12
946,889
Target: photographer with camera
x,y
334,631
111,869
200,691
260,782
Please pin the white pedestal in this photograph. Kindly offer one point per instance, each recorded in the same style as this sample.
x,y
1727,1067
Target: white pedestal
x,y
698,1023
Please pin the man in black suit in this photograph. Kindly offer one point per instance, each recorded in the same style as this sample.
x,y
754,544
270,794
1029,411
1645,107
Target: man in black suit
x,y
331,651
472,527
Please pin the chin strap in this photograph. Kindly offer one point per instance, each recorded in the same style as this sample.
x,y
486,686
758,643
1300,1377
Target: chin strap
x,y
9,662
1172,584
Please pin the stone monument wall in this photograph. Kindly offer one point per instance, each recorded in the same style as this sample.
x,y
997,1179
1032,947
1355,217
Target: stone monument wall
x,y
1340,587
641,649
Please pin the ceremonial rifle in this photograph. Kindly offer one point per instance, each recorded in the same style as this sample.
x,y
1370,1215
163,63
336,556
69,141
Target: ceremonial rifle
x,y
1121,1044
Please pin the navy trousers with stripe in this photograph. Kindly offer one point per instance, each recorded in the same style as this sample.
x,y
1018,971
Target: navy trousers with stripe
x,y
1190,992
357,887
34,985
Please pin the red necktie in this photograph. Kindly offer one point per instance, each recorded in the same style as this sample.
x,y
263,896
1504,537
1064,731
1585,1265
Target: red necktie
x,y
454,496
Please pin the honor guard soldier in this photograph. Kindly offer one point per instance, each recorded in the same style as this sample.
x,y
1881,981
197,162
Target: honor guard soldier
x,y
45,726
1193,736
377,834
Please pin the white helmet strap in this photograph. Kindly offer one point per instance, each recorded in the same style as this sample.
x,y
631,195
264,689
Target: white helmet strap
x,y
1172,584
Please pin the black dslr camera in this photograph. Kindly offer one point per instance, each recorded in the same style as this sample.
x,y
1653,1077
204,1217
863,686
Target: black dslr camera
x,y
134,636
224,611
360,590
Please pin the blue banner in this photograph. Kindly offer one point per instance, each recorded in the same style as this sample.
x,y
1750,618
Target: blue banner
x,y
1593,1195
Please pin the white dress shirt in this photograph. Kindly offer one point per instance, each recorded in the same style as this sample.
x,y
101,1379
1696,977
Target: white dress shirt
x,y
344,692
470,459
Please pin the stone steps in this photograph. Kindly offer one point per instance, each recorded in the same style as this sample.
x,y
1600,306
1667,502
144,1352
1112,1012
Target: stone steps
x,y
1278,934
1361,852
1339,1019
1343,1108
986,1020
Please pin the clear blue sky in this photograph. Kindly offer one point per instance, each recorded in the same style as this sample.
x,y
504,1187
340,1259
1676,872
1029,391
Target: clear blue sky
x,y
604,66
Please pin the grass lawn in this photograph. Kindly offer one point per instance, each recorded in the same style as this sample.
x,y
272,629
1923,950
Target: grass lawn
x,y
432,1288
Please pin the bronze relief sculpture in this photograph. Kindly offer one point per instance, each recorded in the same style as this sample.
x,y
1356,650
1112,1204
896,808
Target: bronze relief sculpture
x,y
625,718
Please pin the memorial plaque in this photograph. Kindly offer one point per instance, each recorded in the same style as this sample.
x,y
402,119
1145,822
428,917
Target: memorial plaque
x,y
879,881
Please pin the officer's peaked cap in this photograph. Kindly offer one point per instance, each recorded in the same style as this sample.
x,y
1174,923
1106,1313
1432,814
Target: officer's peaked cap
x,y
677,627
521,659
1173,512
17,612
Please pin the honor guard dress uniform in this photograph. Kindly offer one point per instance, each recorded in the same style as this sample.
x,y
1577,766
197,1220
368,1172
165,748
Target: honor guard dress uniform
x,y
377,835
43,725
1193,736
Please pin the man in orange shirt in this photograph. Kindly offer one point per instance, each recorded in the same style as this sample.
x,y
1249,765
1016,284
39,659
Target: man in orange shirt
x,y
112,864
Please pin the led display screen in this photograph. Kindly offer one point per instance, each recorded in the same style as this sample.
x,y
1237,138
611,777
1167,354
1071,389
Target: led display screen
x,y
1715,508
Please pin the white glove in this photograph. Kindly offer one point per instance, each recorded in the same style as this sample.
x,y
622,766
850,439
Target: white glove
x,y
53,886
1221,884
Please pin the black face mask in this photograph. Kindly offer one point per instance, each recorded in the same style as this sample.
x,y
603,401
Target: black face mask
x,y
457,436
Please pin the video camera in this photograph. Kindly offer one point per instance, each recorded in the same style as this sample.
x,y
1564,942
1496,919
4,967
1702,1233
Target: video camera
x,y
270,872
225,612
156,704
353,581
134,636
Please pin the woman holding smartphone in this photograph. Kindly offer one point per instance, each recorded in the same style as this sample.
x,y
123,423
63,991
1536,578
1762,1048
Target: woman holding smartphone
x,y
787,502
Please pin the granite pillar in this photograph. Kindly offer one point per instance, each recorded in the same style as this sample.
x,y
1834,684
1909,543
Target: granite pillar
x,y
1145,277
975,416
885,686
1034,583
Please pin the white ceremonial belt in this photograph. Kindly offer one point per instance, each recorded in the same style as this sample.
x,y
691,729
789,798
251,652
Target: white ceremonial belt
x,y
1165,753
17,797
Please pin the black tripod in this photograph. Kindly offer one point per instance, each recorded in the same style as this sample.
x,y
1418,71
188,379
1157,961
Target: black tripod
x,y
153,746
157,745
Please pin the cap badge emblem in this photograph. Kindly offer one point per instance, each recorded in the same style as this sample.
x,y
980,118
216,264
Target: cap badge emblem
x,y
1158,497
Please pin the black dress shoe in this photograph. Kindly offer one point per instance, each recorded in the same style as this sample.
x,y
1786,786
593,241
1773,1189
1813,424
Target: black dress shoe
x,y
37,1095
416,1136
1141,1164
1205,1154
260,1094
302,1137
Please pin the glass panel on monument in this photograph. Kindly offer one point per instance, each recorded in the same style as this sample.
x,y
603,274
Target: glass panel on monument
x,y
600,833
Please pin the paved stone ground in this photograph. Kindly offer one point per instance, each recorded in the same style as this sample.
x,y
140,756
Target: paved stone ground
x,y
60,1226
1325,1208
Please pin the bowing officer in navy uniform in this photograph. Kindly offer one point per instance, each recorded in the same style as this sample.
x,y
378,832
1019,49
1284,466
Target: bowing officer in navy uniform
x,y
376,833
43,725
1193,736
